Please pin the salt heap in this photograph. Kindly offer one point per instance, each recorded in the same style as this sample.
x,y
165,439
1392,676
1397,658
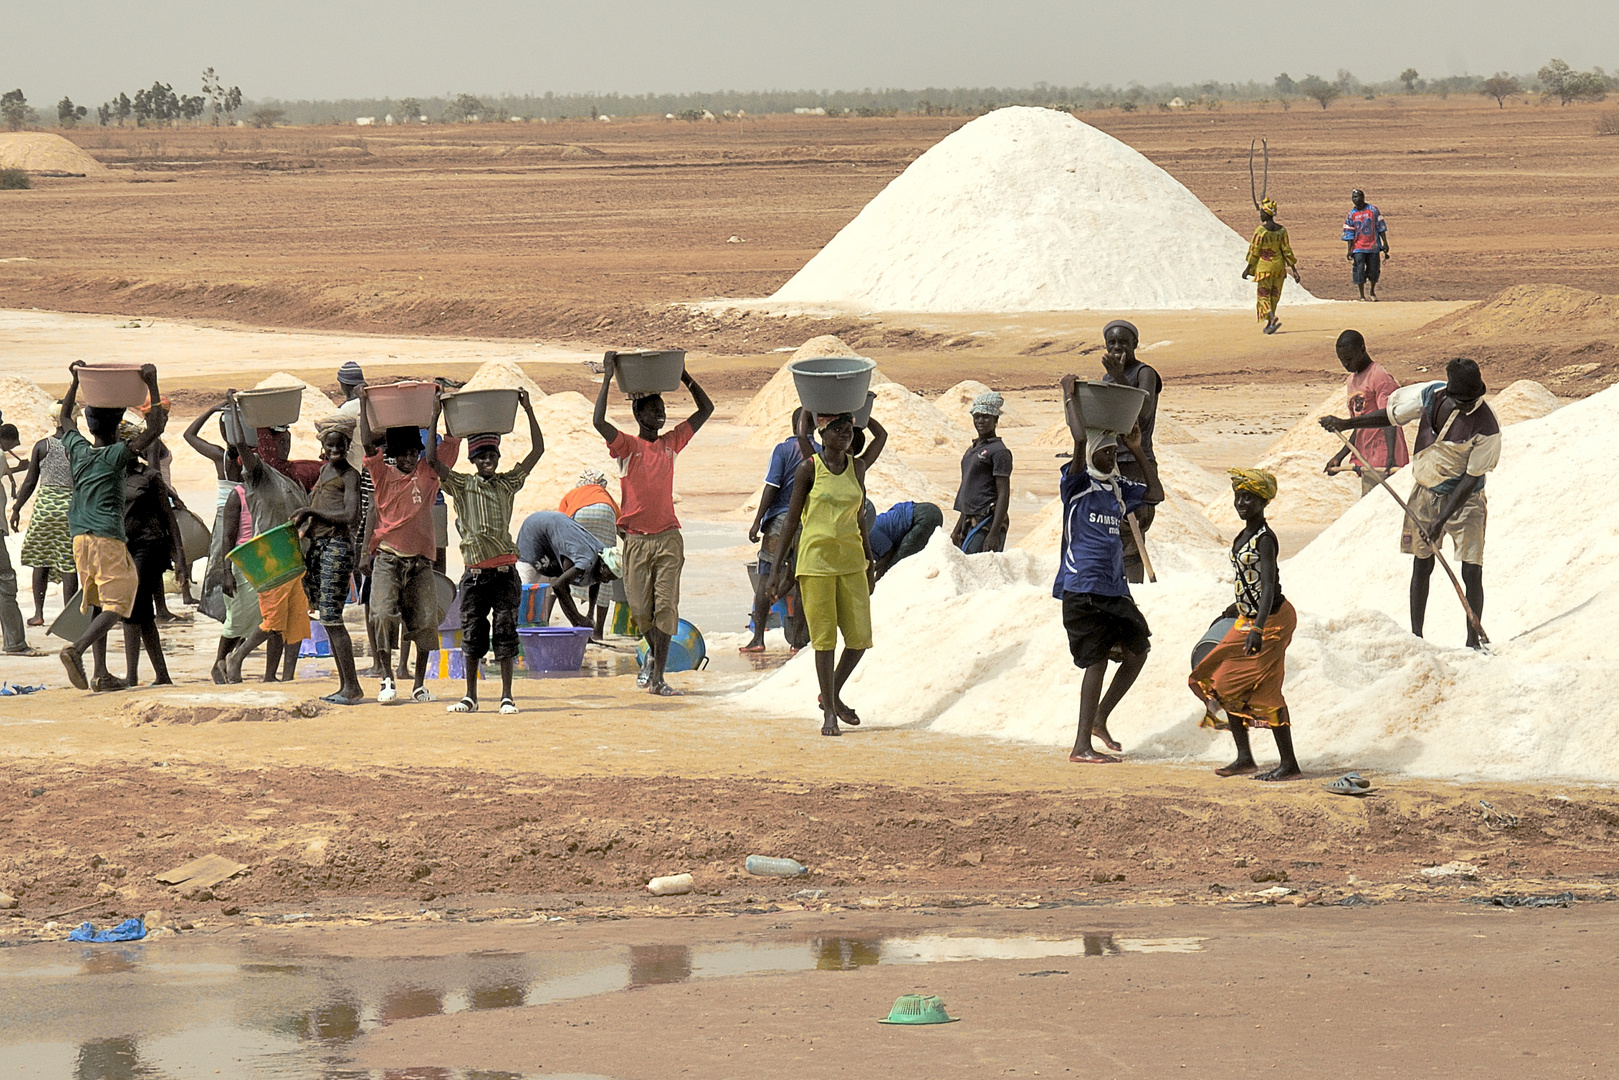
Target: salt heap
x,y
1029,209
1364,693
956,402
43,151
23,403
1523,400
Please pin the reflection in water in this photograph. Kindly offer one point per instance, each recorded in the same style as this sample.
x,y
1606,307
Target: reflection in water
x,y
107,1059
653,964
410,1003
1099,944
111,962
504,996
846,954
335,1020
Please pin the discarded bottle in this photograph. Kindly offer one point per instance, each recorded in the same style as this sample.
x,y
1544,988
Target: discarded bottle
x,y
764,865
673,885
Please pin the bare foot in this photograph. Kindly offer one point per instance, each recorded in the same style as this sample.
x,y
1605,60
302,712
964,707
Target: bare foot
x,y
1108,740
1237,768
830,727
1092,757
1281,772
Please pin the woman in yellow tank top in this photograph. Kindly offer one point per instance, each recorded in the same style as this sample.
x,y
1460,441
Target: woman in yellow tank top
x,y
834,567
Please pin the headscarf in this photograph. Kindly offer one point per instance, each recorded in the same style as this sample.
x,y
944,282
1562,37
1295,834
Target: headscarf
x,y
1257,481
989,403
592,478
826,420
1267,206
479,443
1463,380
1095,439
350,374
337,422
613,559
1123,324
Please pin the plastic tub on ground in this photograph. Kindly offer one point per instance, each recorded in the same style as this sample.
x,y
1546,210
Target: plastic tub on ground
x,y
480,412
1109,407
832,384
687,650
274,406
112,386
649,371
553,649
401,404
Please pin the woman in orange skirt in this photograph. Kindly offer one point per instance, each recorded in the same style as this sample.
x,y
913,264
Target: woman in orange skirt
x,y
1240,681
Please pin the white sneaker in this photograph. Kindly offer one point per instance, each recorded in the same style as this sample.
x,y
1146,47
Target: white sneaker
x,y
387,693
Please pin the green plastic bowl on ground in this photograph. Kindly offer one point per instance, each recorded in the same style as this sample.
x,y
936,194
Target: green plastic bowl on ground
x,y
913,1009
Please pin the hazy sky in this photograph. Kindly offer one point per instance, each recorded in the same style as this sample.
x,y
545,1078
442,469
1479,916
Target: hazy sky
x,y
360,48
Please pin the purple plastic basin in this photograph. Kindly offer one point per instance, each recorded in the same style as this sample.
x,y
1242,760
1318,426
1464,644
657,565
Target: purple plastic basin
x,y
554,648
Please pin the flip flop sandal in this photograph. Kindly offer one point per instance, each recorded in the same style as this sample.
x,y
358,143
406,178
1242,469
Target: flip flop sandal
x,y
465,705
751,649
663,690
422,695
1350,784
27,652
339,699
508,707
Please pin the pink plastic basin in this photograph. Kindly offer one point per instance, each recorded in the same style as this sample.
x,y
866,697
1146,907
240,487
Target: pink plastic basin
x,y
405,404
112,386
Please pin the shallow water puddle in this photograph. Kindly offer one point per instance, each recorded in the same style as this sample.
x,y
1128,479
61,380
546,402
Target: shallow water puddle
x,y
170,1009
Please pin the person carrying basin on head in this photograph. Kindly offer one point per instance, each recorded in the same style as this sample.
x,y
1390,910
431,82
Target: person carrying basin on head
x,y
1368,388
490,589
1458,443
901,531
654,550
1098,612
1121,368
107,574
328,525
1270,261
769,523
984,498
47,546
833,565
1240,680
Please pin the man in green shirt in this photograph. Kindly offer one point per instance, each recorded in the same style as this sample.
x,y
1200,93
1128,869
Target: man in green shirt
x,y
95,517
490,589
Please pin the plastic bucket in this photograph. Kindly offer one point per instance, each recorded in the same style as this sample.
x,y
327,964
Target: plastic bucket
x,y
271,559
194,536
112,386
236,433
832,384
275,406
71,624
1217,631
1109,407
480,412
687,651
403,404
650,371
862,416
553,648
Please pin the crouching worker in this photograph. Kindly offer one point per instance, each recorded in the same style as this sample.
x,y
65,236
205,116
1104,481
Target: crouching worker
x,y
1240,681
1101,618
95,516
555,547
331,517
490,589
901,531
403,545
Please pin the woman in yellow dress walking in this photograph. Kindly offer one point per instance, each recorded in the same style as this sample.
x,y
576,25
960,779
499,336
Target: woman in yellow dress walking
x,y
1270,260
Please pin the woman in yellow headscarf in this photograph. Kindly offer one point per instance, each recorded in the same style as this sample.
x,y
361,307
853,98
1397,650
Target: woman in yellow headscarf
x,y
1240,681
1270,260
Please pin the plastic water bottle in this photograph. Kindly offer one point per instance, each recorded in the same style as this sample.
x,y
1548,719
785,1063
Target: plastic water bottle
x,y
673,885
766,866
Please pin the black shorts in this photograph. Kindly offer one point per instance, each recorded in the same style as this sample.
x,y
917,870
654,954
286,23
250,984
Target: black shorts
x,y
1097,625
489,600
1368,266
151,561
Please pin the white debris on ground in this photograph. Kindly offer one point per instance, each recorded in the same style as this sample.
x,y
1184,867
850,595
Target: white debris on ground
x,y
1029,209
1363,691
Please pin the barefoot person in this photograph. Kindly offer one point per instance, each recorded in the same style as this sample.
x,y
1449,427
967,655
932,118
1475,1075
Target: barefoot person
x,y
654,550
834,567
1120,367
47,546
1101,618
328,524
490,589
769,522
1270,260
153,537
1240,680
1458,442
107,574
1368,389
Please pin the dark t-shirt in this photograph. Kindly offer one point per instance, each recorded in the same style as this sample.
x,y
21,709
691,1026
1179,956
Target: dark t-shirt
x,y
146,511
980,465
98,486
1141,377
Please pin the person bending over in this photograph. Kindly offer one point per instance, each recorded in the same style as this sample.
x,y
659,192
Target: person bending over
x,y
901,531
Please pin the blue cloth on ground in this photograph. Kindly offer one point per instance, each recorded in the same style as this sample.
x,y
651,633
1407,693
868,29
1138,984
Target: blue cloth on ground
x,y
128,930
12,689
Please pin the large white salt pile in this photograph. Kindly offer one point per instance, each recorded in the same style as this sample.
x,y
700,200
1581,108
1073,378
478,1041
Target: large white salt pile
x,y
1029,209
23,403
956,402
1363,692
316,406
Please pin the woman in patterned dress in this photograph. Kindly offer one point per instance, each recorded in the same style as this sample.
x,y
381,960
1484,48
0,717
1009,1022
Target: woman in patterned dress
x,y
1270,260
1240,681
48,545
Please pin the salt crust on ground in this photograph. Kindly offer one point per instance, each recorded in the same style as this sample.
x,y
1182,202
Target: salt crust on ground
x,y
1364,693
1029,209
43,151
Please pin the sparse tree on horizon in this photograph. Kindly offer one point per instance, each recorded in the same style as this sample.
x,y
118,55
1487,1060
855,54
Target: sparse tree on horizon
x,y
15,112
1566,84
104,113
465,108
213,91
1501,86
122,108
1319,89
410,111
69,114
1409,76
267,118
233,101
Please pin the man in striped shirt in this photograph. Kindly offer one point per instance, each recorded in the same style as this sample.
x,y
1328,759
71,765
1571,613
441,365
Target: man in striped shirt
x,y
490,589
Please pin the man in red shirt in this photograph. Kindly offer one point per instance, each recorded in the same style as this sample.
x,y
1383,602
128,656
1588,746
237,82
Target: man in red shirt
x,y
1368,387
654,552
403,545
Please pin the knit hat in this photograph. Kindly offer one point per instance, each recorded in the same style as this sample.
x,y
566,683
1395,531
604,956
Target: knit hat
x,y
350,374
988,403
1463,380
479,443
1123,324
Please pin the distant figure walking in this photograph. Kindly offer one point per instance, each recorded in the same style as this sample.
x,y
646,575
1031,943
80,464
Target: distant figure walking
x,y
1270,261
48,544
1367,235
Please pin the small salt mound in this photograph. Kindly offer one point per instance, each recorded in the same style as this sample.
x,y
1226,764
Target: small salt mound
x,y
23,403
42,151
504,375
1029,209
572,444
1523,400
316,406
771,409
1167,431
955,402
914,426
890,481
